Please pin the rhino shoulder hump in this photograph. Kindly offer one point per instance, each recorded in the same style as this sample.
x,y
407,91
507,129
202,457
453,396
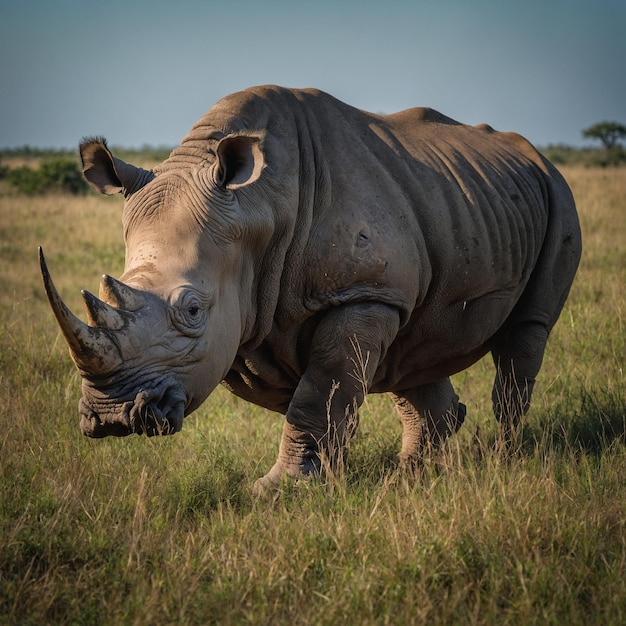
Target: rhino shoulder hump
x,y
423,115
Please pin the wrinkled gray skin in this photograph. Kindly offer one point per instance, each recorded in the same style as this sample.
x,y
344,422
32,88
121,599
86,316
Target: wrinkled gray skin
x,y
305,253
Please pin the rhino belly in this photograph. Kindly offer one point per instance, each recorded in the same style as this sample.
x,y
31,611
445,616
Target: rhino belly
x,y
440,340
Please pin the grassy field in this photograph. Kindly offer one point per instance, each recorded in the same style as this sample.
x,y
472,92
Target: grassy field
x,y
165,531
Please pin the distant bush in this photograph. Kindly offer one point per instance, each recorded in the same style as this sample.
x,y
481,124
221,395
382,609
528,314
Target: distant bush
x,y
145,153
612,156
589,157
63,173
29,152
25,180
54,174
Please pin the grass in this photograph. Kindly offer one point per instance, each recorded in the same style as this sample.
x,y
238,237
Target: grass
x,y
163,531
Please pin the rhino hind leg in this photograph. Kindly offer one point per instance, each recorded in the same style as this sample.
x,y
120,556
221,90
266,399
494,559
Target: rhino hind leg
x,y
517,355
429,415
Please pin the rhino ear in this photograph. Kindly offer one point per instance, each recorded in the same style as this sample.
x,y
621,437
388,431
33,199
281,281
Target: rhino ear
x,y
98,167
108,174
240,161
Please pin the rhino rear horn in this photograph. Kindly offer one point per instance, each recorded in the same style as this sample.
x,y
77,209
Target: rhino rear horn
x,y
92,349
119,295
103,315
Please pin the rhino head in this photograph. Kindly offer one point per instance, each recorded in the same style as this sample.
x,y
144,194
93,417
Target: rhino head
x,y
158,340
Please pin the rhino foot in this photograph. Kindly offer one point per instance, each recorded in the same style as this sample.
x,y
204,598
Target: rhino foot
x,y
279,475
269,484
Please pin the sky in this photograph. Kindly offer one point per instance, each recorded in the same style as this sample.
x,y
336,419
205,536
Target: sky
x,y
141,72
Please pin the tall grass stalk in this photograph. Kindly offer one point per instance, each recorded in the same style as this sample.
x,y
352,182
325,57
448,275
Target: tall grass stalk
x,y
165,530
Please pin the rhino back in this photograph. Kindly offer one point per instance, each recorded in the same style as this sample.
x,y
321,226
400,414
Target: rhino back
x,y
447,222
422,210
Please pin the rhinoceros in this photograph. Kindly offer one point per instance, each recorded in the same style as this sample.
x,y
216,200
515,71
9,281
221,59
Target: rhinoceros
x,y
305,253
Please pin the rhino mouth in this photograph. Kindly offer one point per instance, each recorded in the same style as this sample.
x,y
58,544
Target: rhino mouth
x,y
155,411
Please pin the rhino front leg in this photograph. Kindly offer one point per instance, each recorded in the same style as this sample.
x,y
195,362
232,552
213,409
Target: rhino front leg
x,y
347,347
429,414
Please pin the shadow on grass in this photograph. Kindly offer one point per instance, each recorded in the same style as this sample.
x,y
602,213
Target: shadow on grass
x,y
590,423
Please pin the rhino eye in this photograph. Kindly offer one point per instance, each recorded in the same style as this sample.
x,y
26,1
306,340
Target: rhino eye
x,y
193,310
189,311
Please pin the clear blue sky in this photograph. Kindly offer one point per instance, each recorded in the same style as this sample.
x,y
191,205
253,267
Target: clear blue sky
x,y
142,72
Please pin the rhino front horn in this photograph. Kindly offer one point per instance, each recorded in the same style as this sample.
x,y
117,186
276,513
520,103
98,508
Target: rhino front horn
x,y
93,349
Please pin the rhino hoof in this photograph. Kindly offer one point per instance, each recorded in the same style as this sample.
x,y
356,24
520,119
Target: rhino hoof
x,y
264,488
269,485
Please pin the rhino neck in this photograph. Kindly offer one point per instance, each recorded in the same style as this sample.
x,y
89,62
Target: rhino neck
x,y
196,153
290,191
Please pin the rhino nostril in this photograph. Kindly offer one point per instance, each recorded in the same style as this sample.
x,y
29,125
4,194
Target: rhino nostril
x,y
158,411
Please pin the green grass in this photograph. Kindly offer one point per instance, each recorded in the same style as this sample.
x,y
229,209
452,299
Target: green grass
x,y
164,531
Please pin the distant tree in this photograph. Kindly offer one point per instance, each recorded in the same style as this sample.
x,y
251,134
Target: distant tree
x,y
609,133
